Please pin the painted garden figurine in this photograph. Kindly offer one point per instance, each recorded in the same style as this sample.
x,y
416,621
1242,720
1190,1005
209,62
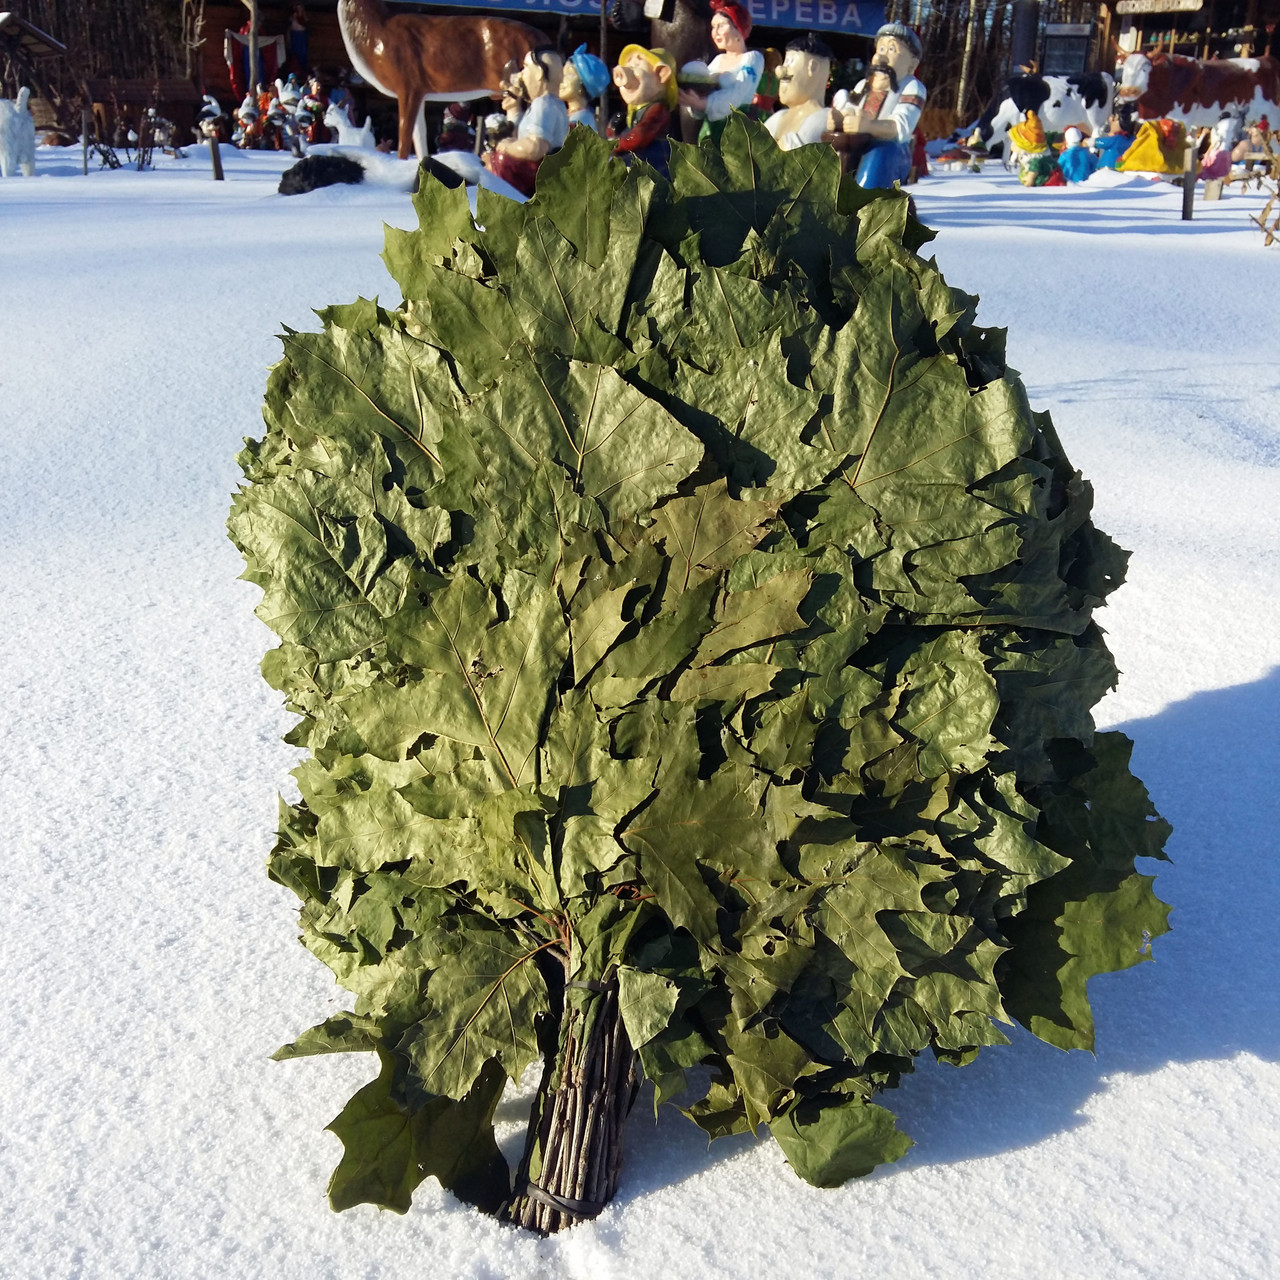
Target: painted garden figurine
x,y
1224,135
1159,147
802,87
1031,152
646,82
543,127
457,131
729,81
503,123
248,131
1112,145
1076,161
876,123
585,79
500,125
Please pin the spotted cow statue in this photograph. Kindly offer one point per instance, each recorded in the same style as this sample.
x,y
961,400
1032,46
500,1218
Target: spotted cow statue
x,y
1083,100
1171,87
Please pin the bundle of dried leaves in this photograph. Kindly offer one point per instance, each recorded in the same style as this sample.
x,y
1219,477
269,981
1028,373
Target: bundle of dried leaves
x,y
690,623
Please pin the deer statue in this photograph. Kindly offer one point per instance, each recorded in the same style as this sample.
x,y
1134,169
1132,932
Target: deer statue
x,y
416,58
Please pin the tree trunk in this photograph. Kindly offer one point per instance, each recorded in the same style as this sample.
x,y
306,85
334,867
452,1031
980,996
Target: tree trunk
x,y
252,84
574,1150
963,90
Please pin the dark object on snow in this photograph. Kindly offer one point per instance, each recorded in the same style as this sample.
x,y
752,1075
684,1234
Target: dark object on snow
x,y
319,171
441,172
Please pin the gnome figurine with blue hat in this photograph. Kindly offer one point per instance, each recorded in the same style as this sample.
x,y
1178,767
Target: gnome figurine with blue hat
x,y
874,125
585,79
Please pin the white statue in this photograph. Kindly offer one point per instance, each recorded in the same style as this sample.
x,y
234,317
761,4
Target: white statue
x,y
17,136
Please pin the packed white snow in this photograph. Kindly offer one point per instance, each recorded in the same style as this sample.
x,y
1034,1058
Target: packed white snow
x,y
151,967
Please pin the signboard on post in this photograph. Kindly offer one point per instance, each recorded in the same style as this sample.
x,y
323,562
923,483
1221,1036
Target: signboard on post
x,y
850,17
1065,50
1159,6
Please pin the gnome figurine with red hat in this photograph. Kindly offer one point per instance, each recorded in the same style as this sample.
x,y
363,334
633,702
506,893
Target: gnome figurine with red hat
x,y
728,83
876,123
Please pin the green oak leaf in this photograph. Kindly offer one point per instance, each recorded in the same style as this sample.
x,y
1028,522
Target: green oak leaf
x,y
646,1002
484,997
390,1146
827,1144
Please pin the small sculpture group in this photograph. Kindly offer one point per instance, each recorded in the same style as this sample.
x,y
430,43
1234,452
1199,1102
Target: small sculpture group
x,y
872,128
543,97
275,117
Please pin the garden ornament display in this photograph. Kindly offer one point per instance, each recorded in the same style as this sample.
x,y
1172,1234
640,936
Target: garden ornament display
x,y
585,78
498,126
1257,137
299,40
646,82
282,132
802,89
765,101
875,124
1036,160
1216,163
337,121
543,126
512,102
417,58
1075,160
1110,145
289,93
1167,86
1084,100
728,83
211,121
457,128
1160,147
692,642
249,126
17,136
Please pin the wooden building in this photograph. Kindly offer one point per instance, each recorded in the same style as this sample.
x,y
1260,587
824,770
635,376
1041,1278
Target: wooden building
x,y
1196,28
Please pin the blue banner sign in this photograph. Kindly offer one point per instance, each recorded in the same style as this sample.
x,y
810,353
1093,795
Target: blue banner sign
x,y
855,19
818,15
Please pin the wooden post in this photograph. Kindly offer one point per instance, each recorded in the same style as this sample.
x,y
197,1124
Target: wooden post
x,y
1189,178
84,141
252,82
215,154
602,106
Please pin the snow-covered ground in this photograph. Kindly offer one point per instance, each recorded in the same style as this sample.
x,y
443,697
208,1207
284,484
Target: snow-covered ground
x,y
150,967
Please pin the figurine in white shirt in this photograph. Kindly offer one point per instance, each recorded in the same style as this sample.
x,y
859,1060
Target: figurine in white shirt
x,y
736,70
879,119
802,89
543,127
